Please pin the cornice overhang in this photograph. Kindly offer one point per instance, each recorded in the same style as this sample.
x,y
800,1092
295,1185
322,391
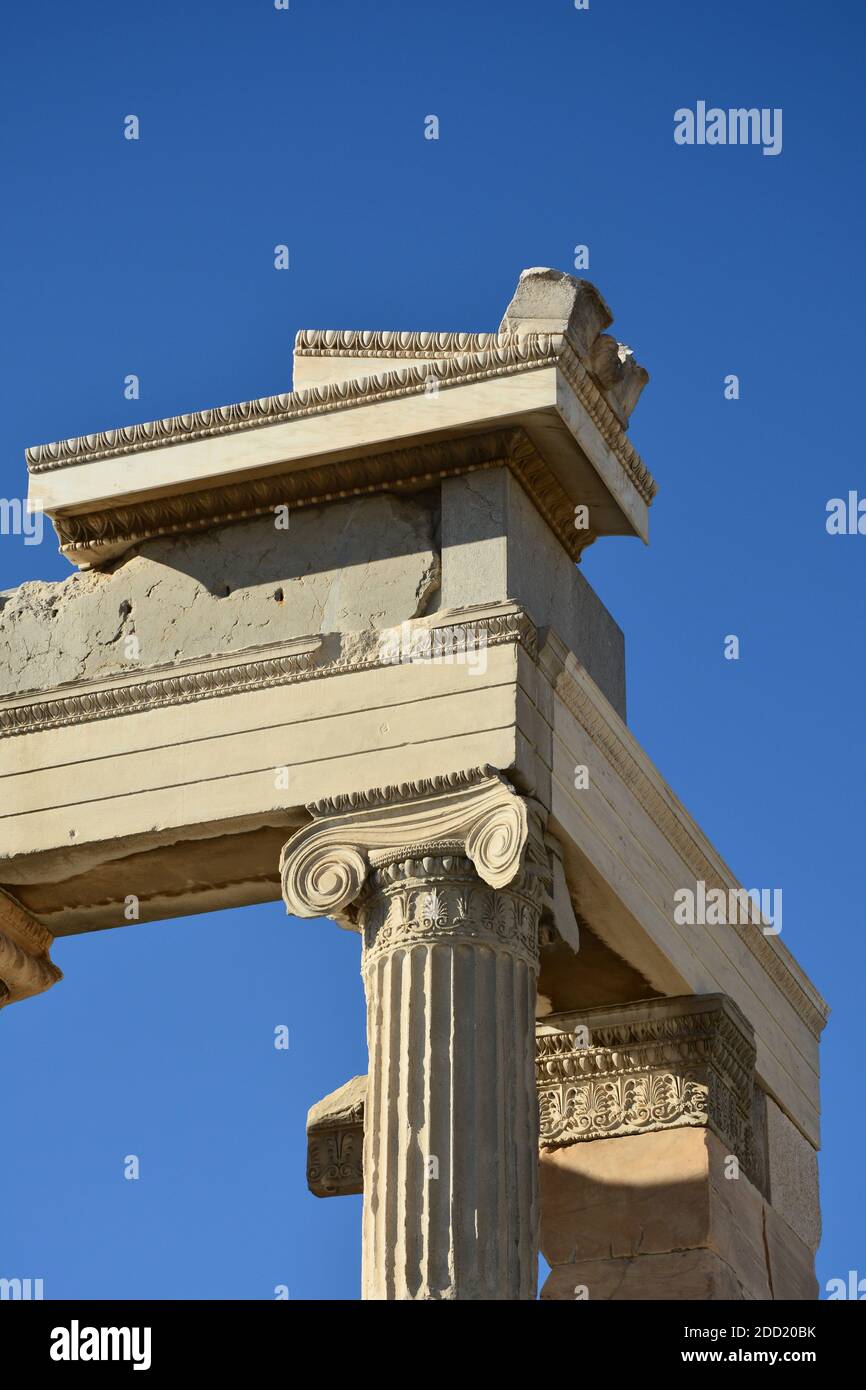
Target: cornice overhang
x,y
405,427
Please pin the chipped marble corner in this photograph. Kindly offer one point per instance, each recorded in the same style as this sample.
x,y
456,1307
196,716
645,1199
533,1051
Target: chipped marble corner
x,y
25,965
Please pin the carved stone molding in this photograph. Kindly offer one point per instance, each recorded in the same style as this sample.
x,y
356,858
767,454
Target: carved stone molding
x,y
25,965
512,353
259,669
100,535
335,1141
489,356
157,688
436,897
600,412
391,344
658,1064
474,813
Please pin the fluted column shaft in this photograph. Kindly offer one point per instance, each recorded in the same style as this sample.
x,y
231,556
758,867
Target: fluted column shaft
x,y
451,1133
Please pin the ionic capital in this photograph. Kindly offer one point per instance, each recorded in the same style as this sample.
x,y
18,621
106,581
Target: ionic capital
x,y
477,814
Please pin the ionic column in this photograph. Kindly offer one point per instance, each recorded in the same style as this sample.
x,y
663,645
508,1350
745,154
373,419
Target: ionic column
x,y
450,1148
439,881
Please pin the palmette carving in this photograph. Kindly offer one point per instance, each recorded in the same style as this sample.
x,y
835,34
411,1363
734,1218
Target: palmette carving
x,y
656,1064
335,1160
620,1105
437,898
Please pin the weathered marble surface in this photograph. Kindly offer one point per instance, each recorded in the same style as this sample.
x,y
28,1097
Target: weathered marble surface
x,y
353,566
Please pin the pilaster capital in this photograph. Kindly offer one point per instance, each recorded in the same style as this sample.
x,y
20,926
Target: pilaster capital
x,y
475,813
655,1064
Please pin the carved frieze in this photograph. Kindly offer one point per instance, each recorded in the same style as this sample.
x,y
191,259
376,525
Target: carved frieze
x,y
335,1141
436,897
657,1064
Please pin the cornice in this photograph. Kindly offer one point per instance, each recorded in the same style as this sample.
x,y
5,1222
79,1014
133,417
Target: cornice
x,y
391,345
99,535
260,669
350,342
514,355
603,417
489,356
601,729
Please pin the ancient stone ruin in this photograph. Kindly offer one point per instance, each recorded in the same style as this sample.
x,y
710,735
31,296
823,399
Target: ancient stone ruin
x,y
336,645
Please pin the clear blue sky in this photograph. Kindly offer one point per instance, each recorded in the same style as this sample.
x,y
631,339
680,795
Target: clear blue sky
x,y
305,127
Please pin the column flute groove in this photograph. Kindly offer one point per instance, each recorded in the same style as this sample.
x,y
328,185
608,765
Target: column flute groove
x,y
445,881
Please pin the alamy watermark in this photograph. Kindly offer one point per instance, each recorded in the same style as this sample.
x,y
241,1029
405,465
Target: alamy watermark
x,y
719,907
24,1289
77,1343
463,644
20,516
740,125
846,517
852,1288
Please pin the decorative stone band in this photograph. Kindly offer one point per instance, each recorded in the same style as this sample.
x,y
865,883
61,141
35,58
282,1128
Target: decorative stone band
x,y
99,536
25,965
265,667
475,813
502,355
513,354
435,896
658,1064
